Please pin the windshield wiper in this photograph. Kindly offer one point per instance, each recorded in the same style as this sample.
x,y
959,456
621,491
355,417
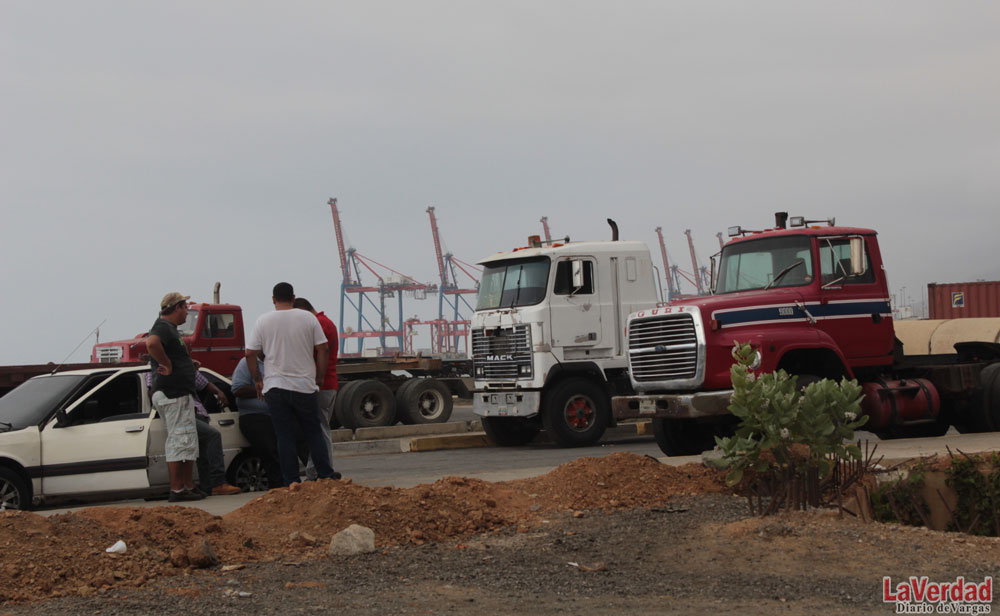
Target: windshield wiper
x,y
782,273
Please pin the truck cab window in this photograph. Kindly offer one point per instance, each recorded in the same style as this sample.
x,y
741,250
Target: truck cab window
x,y
770,262
190,326
219,326
835,263
564,279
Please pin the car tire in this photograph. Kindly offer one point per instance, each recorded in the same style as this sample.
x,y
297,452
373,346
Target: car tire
x,y
248,472
577,412
13,491
424,401
511,431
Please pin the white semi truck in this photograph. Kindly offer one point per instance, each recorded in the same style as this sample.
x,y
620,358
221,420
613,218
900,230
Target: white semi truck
x,y
548,343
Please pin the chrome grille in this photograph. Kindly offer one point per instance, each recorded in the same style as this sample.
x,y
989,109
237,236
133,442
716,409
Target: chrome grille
x,y
663,348
500,352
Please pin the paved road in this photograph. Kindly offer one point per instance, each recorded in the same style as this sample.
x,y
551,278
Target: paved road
x,y
498,464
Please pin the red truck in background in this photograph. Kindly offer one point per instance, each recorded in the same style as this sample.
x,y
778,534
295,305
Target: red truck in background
x,y
213,334
814,301
373,391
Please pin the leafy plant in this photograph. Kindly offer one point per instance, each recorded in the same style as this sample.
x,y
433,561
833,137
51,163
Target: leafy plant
x,y
977,485
788,440
901,500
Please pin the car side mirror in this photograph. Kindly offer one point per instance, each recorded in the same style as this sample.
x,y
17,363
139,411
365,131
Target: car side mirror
x,y
62,419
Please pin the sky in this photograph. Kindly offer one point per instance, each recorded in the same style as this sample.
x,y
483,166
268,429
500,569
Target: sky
x,y
153,147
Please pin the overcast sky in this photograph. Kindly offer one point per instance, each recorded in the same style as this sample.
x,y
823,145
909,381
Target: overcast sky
x,y
152,147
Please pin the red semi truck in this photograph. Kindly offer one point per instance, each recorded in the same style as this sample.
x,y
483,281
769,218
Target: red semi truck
x,y
814,301
373,391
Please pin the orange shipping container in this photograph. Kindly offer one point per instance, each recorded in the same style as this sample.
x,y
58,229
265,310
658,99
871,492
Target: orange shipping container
x,y
957,300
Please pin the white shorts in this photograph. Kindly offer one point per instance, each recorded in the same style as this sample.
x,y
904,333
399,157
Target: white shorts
x,y
182,433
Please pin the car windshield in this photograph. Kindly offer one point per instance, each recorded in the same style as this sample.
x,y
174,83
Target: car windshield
x,y
32,401
765,263
190,326
513,283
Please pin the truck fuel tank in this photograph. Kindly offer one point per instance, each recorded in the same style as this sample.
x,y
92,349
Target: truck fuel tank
x,y
900,402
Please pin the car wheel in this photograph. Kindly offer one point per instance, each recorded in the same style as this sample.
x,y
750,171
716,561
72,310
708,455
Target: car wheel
x,y
13,493
248,473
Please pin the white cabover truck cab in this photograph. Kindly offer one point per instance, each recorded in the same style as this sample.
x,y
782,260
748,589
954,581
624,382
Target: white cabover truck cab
x,y
548,343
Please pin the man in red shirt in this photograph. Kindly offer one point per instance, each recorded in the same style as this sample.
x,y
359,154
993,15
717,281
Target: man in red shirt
x,y
328,392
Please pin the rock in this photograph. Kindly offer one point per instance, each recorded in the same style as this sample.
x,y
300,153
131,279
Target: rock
x,y
355,539
201,555
178,557
301,539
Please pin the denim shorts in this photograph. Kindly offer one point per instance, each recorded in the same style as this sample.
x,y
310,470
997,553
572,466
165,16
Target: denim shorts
x,y
182,433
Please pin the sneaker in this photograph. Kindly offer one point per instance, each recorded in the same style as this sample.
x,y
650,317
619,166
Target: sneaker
x,y
185,495
335,475
225,489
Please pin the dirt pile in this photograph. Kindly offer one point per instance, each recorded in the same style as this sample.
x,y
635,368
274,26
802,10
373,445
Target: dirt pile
x,y
65,554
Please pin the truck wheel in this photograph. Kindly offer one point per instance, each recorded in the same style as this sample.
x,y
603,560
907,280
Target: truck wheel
x,y
423,401
990,403
682,437
13,493
576,413
340,404
247,473
367,405
511,431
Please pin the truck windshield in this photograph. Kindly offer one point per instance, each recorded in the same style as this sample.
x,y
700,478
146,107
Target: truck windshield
x,y
32,401
513,283
765,263
190,326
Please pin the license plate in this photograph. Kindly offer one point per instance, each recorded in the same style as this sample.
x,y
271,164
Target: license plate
x,y
647,407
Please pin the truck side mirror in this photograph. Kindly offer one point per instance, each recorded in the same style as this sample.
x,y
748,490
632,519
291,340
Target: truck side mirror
x,y
859,265
577,269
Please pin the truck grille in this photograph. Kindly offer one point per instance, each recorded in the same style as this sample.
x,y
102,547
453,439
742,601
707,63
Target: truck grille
x,y
501,352
663,348
109,354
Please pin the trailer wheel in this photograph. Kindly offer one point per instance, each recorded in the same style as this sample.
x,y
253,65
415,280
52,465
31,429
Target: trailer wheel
x,y
423,401
576,413
13,492
340,402
511,431
368,404
682,437
247,472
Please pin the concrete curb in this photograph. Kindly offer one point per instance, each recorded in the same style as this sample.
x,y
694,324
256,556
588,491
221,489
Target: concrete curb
x,y
456,435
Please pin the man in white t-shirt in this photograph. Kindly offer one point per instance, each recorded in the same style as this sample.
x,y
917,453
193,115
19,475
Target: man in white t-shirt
x,y
295,355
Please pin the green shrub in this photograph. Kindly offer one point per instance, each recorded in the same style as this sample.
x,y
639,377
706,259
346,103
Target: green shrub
x,y
787,436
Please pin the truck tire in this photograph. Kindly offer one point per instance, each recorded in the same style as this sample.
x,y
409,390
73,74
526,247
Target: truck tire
x,y
13,492
424,401
577,412
247,473
682,437
340,401
368,404
511,431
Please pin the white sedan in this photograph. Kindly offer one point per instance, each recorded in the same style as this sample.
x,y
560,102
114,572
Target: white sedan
x,y
94,433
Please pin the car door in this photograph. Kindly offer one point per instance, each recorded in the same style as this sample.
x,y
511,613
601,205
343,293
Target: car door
x,y
100,445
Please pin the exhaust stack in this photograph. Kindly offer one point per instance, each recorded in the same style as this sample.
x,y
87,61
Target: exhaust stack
x,y
614,230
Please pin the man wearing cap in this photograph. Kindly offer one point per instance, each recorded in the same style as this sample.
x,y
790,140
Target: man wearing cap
x,y
173,386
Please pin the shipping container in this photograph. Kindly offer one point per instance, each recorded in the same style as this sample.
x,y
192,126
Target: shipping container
x,y
958,300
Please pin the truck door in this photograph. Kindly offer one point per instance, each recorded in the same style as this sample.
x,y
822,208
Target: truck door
x,y
101,445
854,310
218,343
576,311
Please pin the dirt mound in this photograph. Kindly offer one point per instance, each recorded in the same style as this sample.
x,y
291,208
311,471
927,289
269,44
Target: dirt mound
x,y
65,554
619,481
